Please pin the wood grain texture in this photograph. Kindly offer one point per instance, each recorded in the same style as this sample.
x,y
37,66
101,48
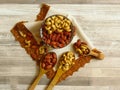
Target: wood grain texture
x,y
62,1
101,23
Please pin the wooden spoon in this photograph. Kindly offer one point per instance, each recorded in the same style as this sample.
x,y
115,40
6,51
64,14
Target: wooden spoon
x,y
96,53
83,49
66,61
47,63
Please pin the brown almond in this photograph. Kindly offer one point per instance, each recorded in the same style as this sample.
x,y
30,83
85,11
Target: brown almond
x,y
34,47
78,43
54,60
48,67
48,41
47,57
62,41
53,37
43,65
53,43
57,37
54,55
49,60
61,45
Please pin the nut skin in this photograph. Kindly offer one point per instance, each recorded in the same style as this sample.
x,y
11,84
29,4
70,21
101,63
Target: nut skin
x,y
48,67
43,65
27,43
57,40
54,61
49,60
42,49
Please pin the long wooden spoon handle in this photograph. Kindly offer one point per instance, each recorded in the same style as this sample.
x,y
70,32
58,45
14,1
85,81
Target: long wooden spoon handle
x,y
97,54
36,81
55,79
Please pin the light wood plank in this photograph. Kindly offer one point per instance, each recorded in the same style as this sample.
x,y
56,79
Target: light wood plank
x,y
72,88
70,81
101,23
83,72
62,1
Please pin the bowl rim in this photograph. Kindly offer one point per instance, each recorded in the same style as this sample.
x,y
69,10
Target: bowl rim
x,y
71,26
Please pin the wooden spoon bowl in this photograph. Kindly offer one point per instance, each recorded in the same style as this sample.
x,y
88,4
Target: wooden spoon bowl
x,y
48,61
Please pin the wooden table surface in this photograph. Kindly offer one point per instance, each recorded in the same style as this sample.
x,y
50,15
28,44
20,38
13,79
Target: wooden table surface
x,y
61,1
101,23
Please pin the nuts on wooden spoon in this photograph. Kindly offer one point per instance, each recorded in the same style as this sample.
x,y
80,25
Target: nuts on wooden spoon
x,y
66,62
48,61
83,49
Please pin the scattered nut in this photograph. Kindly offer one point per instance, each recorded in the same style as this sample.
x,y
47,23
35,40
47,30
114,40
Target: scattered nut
x,y
22,34
42,50
27,43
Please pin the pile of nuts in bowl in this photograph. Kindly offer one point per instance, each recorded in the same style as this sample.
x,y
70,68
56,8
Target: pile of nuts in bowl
x,y
57,31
